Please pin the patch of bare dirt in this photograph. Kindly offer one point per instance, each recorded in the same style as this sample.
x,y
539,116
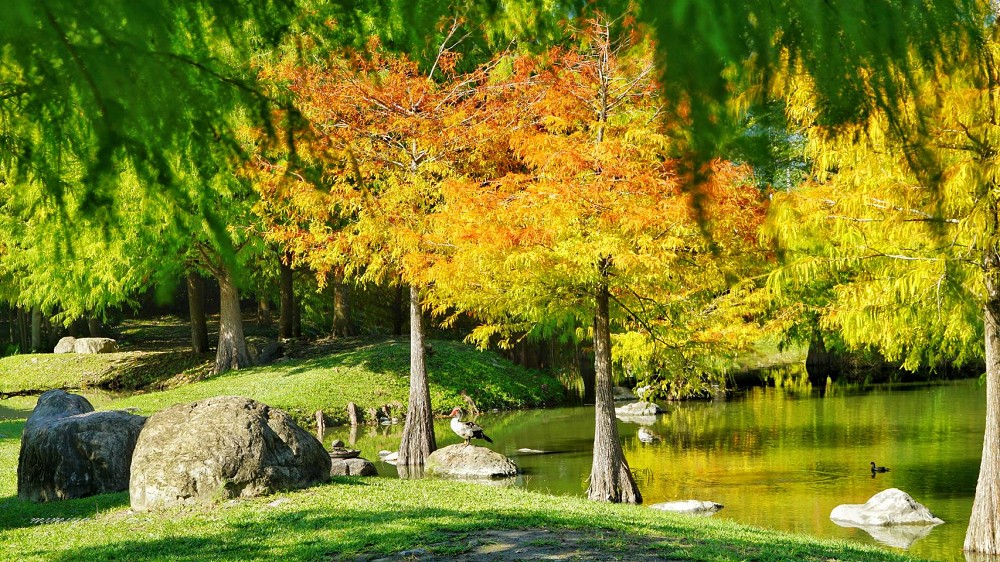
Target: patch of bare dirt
x,y
531,544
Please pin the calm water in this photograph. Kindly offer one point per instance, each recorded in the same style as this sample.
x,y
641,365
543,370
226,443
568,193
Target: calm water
x,y
775,458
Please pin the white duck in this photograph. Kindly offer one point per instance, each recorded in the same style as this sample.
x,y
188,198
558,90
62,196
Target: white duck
x,y
466,430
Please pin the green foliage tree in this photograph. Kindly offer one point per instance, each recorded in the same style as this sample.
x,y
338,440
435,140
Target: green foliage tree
x,y
919,255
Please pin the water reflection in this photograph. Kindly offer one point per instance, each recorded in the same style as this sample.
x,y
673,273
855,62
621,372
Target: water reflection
x,y
778,457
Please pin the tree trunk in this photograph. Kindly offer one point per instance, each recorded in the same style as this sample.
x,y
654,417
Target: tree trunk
x,y
983,534
286,287
93,326
23,331
232,351
342,326
196,312
610,477
36,329
397,312
418,434
264,317
297,319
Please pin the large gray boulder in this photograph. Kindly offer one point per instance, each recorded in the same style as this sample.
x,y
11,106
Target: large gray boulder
x,y
469,461
221,448
95,345
65,345
888,507
70,451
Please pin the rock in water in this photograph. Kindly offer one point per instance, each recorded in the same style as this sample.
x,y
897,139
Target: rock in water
x,y
690,507
221,448
888,507
352,467
95,345
639,409
65,345
469,461
70,451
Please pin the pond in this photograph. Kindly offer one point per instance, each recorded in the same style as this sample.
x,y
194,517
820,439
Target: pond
x,y
775,457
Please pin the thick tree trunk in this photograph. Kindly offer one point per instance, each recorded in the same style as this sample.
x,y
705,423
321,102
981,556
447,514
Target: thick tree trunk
x,y
983,534
610,477
342,325
196,313
418,434
232,351
36,329
287,288
397,312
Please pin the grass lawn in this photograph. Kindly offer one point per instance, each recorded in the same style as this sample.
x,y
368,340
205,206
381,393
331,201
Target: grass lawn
x,y
366,518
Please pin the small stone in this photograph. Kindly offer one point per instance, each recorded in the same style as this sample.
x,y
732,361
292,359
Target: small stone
x,y
689,507
278,502
414,552
337,444
352,467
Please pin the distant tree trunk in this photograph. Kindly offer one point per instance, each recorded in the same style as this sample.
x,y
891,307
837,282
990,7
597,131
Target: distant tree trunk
x,y
36,329
47,332
983,534
23,329
93,326
297,319
196,312
287,288
342,325
232,351
585,363
418,434
610,477
397,311
264,317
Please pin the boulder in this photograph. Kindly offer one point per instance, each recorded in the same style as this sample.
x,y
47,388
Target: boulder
x,y
222,448
95,345
639,409
65,345
621,393
352,467
70,451
689,507
888,507
469,461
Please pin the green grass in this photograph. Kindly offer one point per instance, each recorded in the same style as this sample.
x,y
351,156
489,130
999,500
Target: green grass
x,y
377,516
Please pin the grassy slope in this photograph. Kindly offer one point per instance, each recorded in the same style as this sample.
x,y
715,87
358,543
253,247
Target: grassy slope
x,y
370,376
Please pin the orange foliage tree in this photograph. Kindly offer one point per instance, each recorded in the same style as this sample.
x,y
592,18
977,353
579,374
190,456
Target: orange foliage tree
x,y
588,226
385,135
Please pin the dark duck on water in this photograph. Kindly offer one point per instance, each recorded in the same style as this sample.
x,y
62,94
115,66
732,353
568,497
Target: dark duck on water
x,y
878,468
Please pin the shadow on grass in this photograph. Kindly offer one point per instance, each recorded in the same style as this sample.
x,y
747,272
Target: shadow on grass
x,y
17,513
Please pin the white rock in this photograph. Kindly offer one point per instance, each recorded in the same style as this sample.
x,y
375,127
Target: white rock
x,y
689,507
888,507
95,345
639,409
65,345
